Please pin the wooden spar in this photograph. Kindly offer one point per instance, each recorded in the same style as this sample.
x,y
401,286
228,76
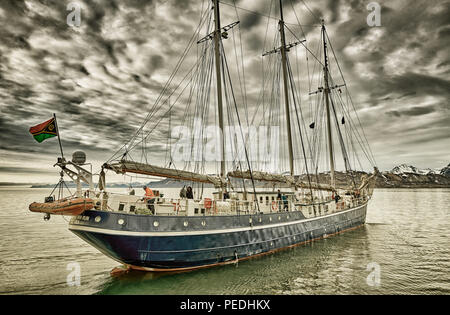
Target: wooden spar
x,y
286,90
153,170
217,36
290,180
327,102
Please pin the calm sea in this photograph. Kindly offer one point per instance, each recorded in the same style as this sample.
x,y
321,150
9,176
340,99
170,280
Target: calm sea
x,y
403,249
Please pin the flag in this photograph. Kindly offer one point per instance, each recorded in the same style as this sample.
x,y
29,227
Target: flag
x,y
44,131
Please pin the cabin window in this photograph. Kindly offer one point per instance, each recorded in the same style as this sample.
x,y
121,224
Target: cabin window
x,y
121,206
202,210
196,210
267,200
273,198
132,208
260,199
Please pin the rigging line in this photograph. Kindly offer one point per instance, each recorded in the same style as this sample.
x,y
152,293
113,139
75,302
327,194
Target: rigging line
x,y
195,75
359,137
232,140
312,13
351,100
242,61
262,94
240,127
264,15
202,20
296,96
341,141
170,108
298,21
299,126
352,128
154,108
302,43
304,35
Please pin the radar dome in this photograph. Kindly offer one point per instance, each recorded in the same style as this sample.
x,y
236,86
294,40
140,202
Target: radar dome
x,y
79,157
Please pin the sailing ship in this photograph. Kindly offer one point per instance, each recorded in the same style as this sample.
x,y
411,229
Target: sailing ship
x,y
240,220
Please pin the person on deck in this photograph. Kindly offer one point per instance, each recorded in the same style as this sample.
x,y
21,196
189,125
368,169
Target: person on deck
x,y
183,192
285,202
189,193
150,198
226,195
279,197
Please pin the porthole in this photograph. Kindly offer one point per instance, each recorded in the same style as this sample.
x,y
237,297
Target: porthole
x,y
185,223
121,221
98,219
287,217
260,220
279,218
155,223
271,243
250,220
203,223
270,219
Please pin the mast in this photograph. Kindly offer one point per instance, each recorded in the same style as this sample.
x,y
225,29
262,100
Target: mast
x,y
327,102
286,93
217,35
59,138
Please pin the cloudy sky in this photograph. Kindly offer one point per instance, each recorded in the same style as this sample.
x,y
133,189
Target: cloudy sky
x,y
102,77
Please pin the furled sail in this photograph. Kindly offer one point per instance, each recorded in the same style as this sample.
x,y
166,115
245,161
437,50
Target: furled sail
x,y
290,180
153,170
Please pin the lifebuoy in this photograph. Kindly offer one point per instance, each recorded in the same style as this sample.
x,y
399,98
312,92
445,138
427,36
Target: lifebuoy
x,y
274,205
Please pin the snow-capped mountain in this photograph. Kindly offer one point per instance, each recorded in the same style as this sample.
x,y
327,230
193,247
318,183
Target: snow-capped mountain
x,y
408,169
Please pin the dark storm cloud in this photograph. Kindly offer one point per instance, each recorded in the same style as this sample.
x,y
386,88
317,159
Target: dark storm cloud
x,y
415,111
334,6
250,20
414,84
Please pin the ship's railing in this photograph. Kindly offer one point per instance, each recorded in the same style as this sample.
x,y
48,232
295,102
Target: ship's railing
x,y
208,206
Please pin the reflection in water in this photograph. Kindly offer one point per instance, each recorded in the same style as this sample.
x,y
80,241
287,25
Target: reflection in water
x,y
304,269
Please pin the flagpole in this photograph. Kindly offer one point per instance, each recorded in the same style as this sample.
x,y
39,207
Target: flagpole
x,y
59,139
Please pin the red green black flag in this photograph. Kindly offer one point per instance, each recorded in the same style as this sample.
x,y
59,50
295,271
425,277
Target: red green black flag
x,y
44,131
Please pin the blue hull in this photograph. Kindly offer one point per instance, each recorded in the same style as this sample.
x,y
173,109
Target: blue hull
x,y
180,243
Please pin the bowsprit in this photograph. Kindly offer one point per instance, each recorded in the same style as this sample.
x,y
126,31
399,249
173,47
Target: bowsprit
x,y
247,304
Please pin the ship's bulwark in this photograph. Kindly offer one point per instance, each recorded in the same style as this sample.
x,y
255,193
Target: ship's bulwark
x,y
206,240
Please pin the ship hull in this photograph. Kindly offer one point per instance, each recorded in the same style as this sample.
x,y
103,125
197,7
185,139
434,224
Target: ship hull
x,y
185,243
